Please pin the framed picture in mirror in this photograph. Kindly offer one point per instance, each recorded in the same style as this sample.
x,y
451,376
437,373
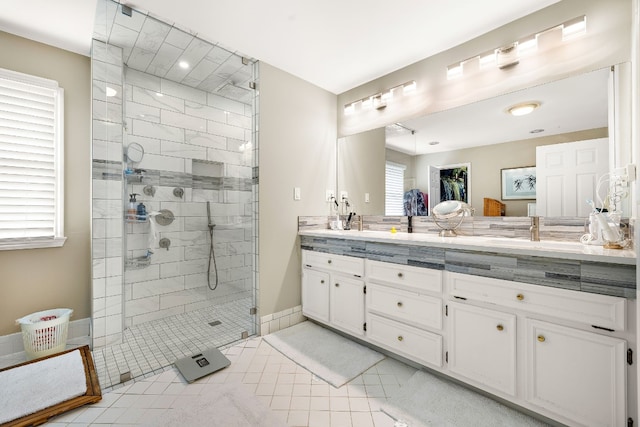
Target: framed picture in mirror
x,y
454,182
519,183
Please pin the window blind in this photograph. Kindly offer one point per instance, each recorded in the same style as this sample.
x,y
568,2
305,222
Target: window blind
x,y
30,158
394,189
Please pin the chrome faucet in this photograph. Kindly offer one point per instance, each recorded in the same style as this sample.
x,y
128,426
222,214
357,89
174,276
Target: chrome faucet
x,y
535,229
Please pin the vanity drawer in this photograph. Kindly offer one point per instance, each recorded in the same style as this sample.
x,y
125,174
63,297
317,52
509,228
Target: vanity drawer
x,y
405,276
410,307
582,307
340,263
416,344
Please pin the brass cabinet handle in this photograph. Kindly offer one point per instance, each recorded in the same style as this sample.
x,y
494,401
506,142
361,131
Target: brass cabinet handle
x,y
400,338
321,281
500,327
337,284
329,261
399,303
520,297
400,275
541,338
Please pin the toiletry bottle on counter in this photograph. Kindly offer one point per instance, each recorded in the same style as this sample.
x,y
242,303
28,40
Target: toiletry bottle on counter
x,y
132,209
141,212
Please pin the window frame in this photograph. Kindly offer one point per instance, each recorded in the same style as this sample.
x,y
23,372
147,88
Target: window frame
x,y
58,238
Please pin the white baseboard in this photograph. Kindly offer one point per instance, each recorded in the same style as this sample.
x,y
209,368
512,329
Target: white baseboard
x,y
281,320
78,334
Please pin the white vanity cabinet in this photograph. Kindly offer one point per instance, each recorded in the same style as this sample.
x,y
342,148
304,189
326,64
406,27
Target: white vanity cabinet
x,y
566,370
333,290
315,294
579,375
482,346
405,311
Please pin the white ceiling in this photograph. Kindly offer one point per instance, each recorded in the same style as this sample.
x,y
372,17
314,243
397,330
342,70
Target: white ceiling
x,y
334,44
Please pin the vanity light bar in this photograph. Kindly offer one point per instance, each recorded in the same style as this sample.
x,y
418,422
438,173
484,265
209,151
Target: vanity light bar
x,y
570,29
379,100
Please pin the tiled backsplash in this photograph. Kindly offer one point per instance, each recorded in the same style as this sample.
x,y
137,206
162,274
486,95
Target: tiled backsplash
x,y
551,228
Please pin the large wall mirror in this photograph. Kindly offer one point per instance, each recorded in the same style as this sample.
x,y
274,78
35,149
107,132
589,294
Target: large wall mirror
x,y
586,110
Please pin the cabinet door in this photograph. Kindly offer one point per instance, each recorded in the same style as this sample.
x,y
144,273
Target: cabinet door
x,y
315,294
579,375
482,346
347,304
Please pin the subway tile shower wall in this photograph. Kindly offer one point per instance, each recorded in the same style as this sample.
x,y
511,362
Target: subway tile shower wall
x,y
178,125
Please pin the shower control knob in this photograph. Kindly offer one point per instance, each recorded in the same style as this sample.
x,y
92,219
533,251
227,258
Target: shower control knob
x,y
164,243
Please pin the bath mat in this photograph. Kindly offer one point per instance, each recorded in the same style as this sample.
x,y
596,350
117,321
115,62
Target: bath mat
x,y
329,356
427,400
230,405
34,391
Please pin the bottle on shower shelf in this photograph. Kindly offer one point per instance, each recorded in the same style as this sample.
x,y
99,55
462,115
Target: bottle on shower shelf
x,y
132,210
141,212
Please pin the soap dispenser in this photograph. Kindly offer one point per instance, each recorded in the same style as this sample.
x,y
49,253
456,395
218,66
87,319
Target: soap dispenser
x,y
132,209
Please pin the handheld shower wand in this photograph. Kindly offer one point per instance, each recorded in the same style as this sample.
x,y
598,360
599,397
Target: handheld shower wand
x,y
212,254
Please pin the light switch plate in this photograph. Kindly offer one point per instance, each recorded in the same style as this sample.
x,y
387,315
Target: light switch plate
x,y
366,197
296,193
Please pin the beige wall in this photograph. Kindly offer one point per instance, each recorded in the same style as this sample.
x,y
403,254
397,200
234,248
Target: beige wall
x,y
361,157
297,148
487,161
38,279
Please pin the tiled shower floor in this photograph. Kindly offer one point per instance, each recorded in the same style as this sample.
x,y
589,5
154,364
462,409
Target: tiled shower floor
x,y
150,347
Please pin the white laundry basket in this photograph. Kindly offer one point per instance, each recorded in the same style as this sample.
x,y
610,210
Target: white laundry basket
x,y
45,332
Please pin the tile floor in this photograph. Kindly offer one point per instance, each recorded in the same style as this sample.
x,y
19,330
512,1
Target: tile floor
x,y
293,393
152,346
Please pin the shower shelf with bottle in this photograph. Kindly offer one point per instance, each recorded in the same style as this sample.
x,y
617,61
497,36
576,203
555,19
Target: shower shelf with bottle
x,y
135,212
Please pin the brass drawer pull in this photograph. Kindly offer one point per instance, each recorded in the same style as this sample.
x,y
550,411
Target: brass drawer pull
x,y
321,281
400,338
400,275
541,338
500,327
399,303
520,297
337,285
329,261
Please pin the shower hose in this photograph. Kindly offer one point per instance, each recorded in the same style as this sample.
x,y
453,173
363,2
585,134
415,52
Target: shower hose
x,y
212,254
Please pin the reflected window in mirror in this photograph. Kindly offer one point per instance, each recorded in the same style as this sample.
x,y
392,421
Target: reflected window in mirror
x,y
394,189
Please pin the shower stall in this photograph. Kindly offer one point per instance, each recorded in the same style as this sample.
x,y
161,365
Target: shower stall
x,y
174,193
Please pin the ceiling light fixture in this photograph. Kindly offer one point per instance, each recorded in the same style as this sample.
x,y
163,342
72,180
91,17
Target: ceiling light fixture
x,y
523,109
509,55
183,64
111,92
379,100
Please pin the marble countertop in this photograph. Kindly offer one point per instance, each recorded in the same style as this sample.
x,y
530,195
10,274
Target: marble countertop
x,y
548,248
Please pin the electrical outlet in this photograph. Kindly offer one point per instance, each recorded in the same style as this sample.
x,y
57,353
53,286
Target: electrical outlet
x,y
344,195
329,196
366,197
